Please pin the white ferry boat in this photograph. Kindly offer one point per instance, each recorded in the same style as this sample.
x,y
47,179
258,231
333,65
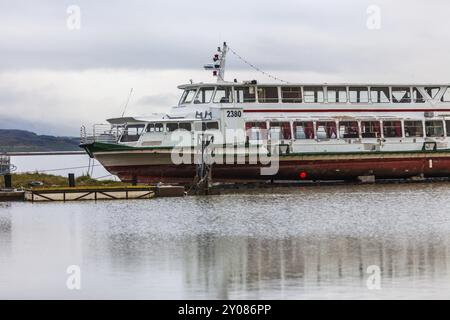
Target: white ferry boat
x,y
335,131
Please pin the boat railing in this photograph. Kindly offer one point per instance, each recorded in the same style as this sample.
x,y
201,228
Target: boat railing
x,y
6,167
104,133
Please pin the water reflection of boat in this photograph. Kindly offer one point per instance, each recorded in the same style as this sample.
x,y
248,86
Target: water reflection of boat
x,y
299,267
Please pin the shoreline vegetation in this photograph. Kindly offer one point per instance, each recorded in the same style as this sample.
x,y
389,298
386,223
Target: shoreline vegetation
x,y
32,179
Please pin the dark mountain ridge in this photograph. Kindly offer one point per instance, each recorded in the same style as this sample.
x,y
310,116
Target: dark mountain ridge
x,y
12,140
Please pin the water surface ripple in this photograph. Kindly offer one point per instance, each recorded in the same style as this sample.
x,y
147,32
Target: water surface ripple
x,y
282,243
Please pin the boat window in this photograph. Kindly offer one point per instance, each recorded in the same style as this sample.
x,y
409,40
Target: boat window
x,y
392,129
304,130
432,91
223,95
151,127
188,96
204,95
171,127
291,94
434,128
447,125
159,127
214,125
256,130
185,126
348,129
280,130
380,94
313,94
413,128
446,96
417,96
245,94
359,94
401,95
132,132
337,94
326,130
268,94
370,129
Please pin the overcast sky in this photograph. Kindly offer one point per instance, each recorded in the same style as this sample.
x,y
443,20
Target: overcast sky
x,y
54,78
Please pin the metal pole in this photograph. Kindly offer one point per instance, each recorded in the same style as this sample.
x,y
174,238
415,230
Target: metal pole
x,y
71,180
8,181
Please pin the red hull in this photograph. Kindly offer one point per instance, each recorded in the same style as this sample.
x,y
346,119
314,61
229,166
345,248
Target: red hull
x,y
395,168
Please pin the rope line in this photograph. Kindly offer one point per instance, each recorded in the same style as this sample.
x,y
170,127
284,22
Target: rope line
x,y
256,68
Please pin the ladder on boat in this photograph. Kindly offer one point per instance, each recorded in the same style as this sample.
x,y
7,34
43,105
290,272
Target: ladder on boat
x,y
204,164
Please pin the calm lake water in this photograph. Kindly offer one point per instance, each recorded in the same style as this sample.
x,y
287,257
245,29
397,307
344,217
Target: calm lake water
x,y
296,243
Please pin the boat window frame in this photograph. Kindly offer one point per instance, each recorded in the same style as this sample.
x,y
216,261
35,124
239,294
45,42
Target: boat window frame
x,y
373,134
403,100
326,125
429,91
316,90
417,96
256,127
235,94
184,95
219,88
137,136
434,136
206,124
406,128
380,89
384,129
291,100
182,123
259,89
353,135
200,90
358,94
310,136
169,124
337,94
446,92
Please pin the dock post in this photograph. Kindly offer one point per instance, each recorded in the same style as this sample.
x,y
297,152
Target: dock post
x,y
8,181
71,180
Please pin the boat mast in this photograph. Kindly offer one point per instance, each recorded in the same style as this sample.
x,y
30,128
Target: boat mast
x,y
218,67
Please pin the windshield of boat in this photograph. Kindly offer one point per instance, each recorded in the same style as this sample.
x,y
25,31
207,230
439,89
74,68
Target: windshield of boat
x,y
188,96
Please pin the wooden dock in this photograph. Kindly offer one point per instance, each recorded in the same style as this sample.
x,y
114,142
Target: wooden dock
x,y
101,193
89,193
11,195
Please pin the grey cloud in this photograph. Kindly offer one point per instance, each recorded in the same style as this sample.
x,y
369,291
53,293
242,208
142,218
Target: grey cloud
x,y
300,35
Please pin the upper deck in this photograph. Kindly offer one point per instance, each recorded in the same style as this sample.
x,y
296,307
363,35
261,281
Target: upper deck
x,y
285,95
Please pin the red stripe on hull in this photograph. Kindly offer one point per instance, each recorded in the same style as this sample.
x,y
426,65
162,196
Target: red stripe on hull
x,y
290,170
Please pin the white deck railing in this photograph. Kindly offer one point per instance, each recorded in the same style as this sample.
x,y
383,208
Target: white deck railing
x,y
100,133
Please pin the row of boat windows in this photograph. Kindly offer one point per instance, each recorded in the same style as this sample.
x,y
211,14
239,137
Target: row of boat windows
x,y
310,129
133,132
347,129
293,94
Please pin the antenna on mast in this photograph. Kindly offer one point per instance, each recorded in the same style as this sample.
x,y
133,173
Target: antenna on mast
x,y
126,104
219,59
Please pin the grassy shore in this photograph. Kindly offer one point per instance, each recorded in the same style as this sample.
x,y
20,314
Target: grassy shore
x,y
23,180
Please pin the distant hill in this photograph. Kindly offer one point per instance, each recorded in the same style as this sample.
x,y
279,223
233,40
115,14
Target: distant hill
x,y
25,141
